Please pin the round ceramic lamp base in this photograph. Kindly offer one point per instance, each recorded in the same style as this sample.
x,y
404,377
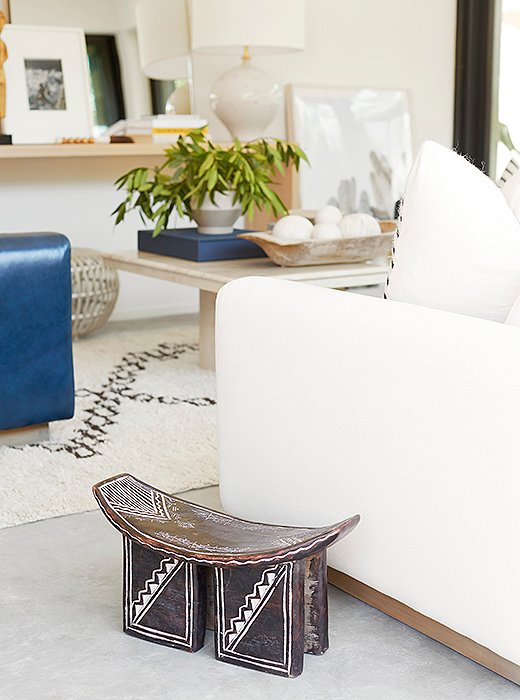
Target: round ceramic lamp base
x,y
245,99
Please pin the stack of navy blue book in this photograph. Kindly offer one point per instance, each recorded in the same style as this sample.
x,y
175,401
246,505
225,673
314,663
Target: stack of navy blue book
x,y
189,244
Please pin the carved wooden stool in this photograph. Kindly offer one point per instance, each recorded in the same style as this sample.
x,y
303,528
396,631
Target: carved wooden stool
x,y
264,585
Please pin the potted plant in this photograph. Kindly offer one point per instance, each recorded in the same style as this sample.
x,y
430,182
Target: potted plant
x,y
211,184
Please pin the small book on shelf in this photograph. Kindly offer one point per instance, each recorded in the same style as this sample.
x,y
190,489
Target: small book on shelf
x,y
167,128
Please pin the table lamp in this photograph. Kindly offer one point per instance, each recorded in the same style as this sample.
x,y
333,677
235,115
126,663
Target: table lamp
x,y
164,42
245,98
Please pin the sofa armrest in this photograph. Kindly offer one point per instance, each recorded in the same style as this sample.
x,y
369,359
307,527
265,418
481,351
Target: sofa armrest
x,y
333,403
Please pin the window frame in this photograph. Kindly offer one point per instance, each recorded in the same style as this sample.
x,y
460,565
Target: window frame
x,y
476,80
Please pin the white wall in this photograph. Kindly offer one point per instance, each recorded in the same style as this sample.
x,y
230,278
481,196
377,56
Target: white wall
x,y
75,196
406,44
91,15
356,43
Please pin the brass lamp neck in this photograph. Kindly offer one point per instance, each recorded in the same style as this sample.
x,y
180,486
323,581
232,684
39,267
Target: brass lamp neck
x,y
246,56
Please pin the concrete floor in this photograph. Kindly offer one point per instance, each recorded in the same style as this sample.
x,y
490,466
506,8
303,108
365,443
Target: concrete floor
x,y
60,637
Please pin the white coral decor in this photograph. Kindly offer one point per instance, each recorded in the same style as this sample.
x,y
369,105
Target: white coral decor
x,y
359,224
325,232
293,228
328,215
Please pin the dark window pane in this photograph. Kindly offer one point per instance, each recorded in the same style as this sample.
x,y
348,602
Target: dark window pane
x,y
105,75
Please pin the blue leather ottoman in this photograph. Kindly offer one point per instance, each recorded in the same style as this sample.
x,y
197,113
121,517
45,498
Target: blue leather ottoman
x,y
36,371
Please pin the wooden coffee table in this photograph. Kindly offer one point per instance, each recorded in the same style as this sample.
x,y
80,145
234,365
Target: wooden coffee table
x,y
209,277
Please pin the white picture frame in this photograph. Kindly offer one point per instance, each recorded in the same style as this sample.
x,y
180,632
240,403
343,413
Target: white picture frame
x,y
47,84
359,145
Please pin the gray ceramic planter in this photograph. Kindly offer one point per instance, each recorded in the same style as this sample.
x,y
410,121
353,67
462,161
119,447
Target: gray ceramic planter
x,y
217,218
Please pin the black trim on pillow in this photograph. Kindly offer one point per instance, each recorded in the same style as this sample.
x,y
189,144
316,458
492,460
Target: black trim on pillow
x,y
399,217
511,168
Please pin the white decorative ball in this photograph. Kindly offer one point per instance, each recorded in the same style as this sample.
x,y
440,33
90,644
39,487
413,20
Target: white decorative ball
x,y
328,215
325,232
358,225
293,228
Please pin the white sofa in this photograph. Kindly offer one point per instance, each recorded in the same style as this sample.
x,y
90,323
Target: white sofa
x,y
332,404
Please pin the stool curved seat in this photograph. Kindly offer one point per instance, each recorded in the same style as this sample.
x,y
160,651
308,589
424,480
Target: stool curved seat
x,y
193,533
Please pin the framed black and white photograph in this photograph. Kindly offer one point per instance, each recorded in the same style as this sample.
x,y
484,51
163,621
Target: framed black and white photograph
x,y
47,84
44,82
359,145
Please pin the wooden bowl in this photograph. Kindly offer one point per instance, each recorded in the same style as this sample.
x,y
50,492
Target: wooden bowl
x,y
338,250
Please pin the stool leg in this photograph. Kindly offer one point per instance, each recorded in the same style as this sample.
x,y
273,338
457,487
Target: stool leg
x,y
164,599
316,604
259,617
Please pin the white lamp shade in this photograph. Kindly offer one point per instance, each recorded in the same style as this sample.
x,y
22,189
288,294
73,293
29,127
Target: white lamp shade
x,y
163,38
267,26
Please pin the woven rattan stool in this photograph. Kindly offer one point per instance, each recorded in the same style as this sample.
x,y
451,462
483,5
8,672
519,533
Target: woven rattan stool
x,y
95,286
262,588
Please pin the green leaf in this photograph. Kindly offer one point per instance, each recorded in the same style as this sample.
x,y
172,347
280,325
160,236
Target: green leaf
x,y
212,179
206,164
179,206
121,212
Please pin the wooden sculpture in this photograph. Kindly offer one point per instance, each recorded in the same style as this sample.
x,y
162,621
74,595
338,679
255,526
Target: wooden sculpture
x,y
3,59
262,588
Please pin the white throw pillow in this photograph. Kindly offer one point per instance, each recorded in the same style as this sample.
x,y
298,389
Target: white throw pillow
x,y
458,246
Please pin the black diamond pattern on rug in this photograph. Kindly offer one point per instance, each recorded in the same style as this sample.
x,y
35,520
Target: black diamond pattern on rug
x,y
87,440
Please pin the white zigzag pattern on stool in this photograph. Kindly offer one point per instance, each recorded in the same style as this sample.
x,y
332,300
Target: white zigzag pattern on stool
x,y
262,591
128,496
153,586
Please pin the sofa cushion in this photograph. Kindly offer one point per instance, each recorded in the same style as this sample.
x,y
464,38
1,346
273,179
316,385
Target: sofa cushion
x,y
458,245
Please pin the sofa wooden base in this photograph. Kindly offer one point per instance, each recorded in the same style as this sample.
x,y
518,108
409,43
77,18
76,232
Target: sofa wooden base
x,y
421,623
26,435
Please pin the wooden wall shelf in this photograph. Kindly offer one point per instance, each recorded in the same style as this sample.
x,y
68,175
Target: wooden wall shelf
x,y
87,150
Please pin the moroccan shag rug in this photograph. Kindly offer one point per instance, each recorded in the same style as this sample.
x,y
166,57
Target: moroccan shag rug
x,y
142,406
